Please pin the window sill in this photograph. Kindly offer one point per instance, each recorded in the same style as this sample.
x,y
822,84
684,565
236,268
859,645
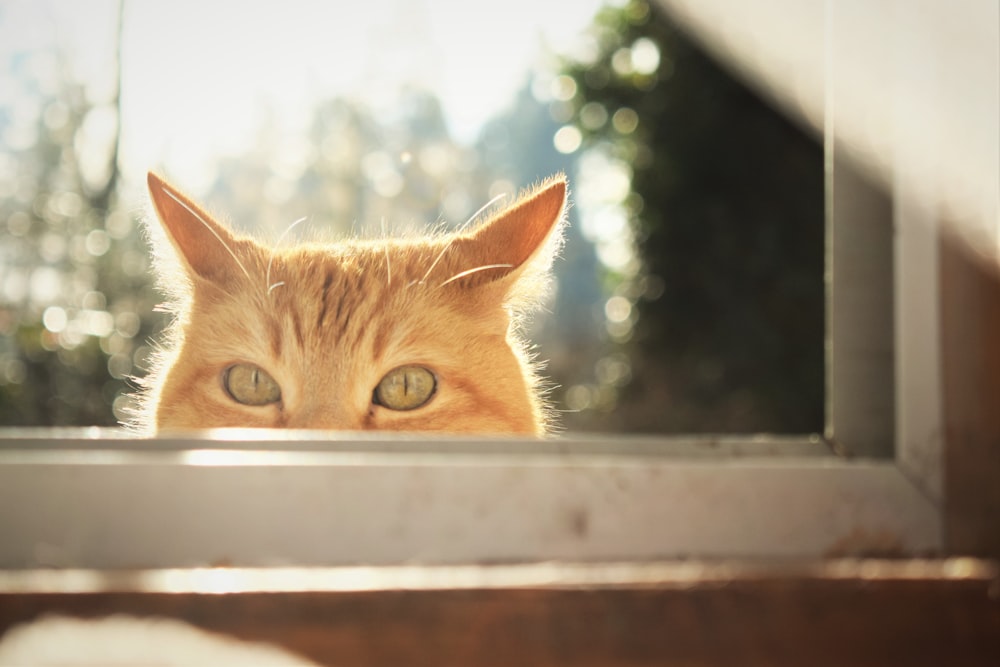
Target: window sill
x,y
102,500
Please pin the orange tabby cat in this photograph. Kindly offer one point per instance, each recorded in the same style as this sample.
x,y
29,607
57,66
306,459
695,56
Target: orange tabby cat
x,y
406,334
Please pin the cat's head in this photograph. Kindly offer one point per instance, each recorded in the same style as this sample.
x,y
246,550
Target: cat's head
x,y
413,334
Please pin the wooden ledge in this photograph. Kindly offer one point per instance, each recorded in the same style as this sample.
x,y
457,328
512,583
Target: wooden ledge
x,y
841,612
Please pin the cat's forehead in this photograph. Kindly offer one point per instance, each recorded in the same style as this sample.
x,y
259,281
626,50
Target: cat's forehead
x,y
385,260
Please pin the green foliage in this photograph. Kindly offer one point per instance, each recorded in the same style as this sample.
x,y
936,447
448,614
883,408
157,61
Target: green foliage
x,y
75,306
727,210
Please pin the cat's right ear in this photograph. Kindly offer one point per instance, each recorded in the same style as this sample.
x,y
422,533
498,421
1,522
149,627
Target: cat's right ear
x,y
207,249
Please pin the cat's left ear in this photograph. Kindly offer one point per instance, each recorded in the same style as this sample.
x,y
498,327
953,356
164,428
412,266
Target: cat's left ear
x,y
519,241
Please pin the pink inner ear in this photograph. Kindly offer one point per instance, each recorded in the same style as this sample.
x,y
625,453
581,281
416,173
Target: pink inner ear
x,y
207,248
517,234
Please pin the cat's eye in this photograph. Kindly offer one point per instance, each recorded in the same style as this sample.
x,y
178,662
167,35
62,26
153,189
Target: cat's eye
x,y
250,385
405,388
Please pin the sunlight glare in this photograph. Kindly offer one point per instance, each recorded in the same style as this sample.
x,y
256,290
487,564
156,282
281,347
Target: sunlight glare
x,y
183,107
567,139
645,56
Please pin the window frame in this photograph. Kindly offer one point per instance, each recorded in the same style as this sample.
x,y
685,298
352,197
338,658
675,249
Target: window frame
x,y
871,485
89,501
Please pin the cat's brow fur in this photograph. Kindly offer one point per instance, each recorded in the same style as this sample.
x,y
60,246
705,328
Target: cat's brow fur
x,y
327,321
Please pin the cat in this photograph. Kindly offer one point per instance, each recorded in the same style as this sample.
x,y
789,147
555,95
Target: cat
x,y
409,334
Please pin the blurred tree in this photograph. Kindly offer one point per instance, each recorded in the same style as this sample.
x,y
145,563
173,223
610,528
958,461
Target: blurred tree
x,y
516,149
353,173
727,211
73,272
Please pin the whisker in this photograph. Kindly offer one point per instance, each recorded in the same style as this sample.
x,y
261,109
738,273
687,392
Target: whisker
x,y
385,247
277,284
274,250
463,274
209,228
460,229
484,207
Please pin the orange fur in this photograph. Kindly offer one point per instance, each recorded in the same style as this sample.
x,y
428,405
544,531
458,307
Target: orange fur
x,y
327,322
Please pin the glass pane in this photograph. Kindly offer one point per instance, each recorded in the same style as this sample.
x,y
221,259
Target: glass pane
x,y
689,297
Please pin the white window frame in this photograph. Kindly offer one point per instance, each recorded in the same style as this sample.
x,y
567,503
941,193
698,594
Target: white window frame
x,y
872,485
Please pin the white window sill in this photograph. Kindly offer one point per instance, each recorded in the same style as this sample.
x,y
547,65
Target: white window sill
x,y
99,499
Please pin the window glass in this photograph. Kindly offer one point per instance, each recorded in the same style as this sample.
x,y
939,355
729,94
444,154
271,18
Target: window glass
x,y
689,297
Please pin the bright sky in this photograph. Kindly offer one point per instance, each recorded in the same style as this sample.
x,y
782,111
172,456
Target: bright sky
x,y
199,76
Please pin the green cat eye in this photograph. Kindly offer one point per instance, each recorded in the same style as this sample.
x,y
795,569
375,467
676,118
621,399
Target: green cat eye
x,y
250,385
405,388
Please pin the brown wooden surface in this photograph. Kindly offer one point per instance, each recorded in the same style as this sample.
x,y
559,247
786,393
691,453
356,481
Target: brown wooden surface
x,y
870,616
970,328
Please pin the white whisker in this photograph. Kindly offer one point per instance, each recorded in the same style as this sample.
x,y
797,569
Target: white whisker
x,y
385,248
487,267
209,228
460,229
270,260
437,259
277,284
482,208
